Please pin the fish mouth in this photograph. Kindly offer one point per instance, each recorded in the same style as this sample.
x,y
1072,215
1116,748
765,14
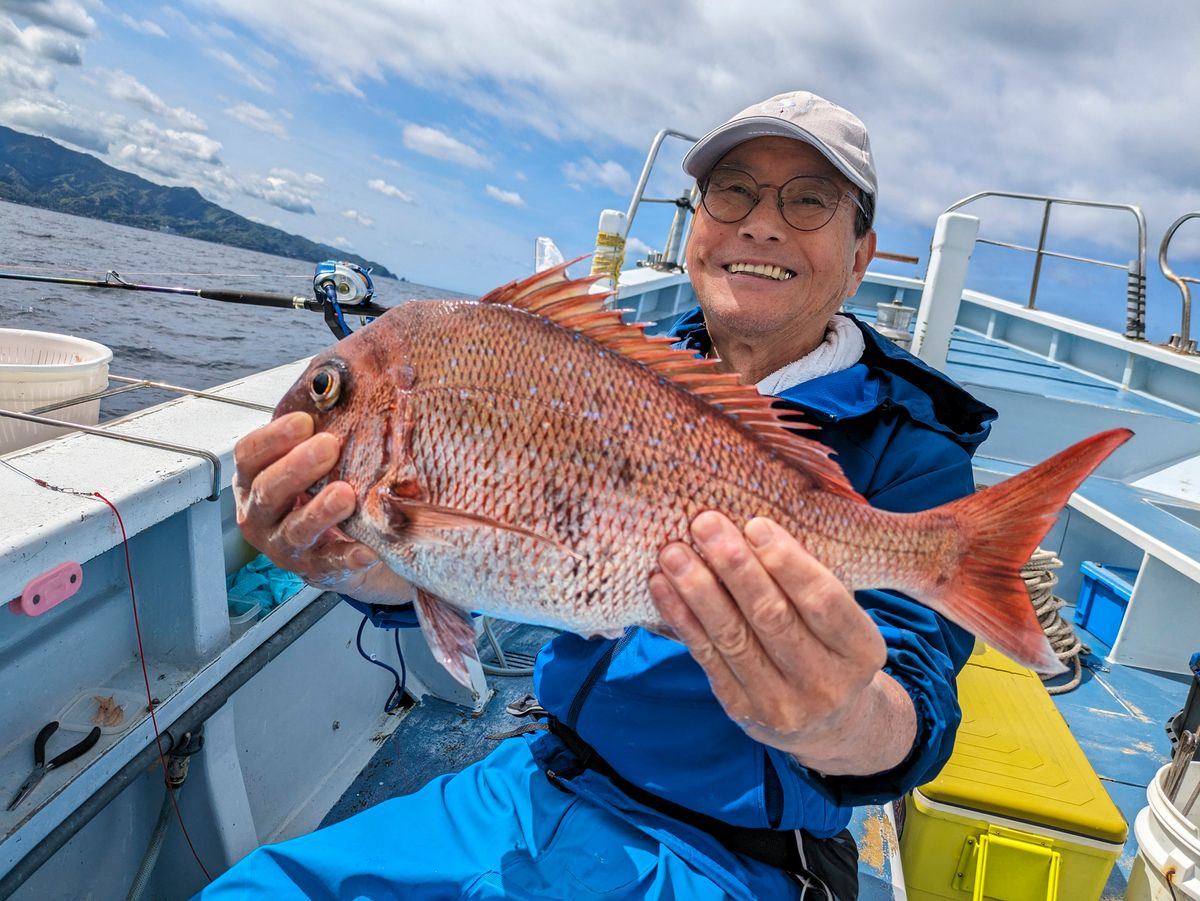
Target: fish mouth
x,y
761,270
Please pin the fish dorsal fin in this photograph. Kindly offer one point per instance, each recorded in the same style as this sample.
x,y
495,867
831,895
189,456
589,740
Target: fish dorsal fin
x,y
570,304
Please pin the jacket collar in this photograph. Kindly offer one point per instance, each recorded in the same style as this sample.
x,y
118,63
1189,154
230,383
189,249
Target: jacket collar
x,y
887,376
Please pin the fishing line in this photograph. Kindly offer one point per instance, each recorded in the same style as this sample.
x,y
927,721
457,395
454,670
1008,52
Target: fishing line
x,y
96,495
146,679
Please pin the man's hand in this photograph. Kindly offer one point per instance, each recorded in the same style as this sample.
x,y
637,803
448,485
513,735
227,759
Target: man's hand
x,y
791,656
276,464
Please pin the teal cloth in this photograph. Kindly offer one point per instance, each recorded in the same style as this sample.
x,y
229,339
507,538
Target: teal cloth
x,y
262,581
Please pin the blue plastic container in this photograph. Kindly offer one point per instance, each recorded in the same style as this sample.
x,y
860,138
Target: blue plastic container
x,y
1103,596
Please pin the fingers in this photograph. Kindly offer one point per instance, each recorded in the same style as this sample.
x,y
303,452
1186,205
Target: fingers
x,y
273,491
727,628
305,525
258,449
763,605
828,611
678,614
770,613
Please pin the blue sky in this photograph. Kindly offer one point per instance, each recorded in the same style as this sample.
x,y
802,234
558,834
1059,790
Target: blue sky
x,y
442,138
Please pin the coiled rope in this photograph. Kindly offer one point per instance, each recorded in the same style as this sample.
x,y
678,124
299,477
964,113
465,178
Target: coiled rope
x,y
1040,580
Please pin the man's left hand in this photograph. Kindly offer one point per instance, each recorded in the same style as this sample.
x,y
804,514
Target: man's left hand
x,y
791,656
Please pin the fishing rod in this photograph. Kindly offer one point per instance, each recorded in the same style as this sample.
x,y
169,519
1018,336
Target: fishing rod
x,y
339,287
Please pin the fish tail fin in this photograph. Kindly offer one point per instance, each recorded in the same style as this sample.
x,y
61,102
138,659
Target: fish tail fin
x,y
1000,528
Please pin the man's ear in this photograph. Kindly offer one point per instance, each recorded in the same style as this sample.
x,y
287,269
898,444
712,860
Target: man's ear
x,y
864,252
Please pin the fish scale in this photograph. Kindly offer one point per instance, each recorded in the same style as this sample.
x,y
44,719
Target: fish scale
x,y
528,455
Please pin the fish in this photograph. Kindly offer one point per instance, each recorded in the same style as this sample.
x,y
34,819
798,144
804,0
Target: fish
x,y
526,456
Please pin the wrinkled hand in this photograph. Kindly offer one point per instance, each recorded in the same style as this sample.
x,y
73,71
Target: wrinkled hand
x,y
791,656
276,464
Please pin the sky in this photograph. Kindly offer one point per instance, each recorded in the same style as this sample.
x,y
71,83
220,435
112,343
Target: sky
x,y
441,139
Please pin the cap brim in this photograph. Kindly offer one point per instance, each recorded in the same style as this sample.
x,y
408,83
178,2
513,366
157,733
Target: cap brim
x,y
707,152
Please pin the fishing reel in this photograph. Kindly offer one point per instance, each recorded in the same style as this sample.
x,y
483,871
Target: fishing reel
x,y
338,284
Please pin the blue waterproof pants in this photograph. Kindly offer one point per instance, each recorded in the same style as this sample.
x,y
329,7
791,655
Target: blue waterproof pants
x,y
498,829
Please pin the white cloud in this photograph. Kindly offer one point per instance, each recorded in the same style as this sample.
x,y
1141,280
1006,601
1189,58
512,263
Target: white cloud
x,y
340,241
179,156
635,247
356,216
240,70
610,174
387,190
285,189
512,198
438,144
959,97
65,15
145,26
41,42
257,118
123,86
56,119
25,77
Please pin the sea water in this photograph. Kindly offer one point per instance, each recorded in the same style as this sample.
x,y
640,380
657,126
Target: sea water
x,y
180,340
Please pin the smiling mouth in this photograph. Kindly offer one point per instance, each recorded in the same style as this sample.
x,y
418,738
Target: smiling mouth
x,y
775,273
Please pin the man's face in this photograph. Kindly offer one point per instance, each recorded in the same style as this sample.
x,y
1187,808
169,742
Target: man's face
x,y
821,268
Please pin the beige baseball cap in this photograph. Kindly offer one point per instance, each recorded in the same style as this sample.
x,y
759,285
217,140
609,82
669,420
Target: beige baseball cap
x,y
837,133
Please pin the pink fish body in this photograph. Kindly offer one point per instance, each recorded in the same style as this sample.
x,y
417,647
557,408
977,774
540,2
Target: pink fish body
x,y
527,456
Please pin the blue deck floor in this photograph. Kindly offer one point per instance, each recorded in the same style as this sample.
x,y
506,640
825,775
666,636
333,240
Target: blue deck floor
x,y
1118,715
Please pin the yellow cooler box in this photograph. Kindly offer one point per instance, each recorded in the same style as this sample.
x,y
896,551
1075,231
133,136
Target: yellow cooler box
x,y
1017,813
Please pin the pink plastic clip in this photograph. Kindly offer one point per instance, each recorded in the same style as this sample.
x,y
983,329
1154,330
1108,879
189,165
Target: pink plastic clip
x,y
48,590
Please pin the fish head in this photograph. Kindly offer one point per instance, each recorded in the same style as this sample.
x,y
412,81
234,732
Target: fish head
x,y
360,390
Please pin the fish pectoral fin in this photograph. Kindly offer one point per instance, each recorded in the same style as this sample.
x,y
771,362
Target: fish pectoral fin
x,y
416,519
449,633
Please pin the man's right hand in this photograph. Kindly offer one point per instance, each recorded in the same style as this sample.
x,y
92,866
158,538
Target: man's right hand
x,y
276,465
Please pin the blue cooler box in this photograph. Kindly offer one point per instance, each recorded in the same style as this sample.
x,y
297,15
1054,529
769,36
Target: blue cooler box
x,y
1103,596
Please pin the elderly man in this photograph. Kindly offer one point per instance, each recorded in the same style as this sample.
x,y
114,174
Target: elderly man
x,y
725,764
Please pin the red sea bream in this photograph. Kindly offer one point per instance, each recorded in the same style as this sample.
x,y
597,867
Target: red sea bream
x,y
527,455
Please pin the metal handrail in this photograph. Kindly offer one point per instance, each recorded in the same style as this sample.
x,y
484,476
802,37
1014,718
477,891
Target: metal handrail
x,y
644,178
1135,309
1182,342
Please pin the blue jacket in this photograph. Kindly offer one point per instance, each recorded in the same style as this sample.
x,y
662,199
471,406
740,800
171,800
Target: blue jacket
x,y
904,435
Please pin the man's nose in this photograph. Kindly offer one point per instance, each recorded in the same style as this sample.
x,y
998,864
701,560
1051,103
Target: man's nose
x,y
765,221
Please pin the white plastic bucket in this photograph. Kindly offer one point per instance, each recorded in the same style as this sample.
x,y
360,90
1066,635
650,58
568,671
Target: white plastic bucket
x,y
40,368
1168,843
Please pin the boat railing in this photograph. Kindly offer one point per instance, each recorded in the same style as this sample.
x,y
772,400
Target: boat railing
x,y
684,205
1135,309
1182,342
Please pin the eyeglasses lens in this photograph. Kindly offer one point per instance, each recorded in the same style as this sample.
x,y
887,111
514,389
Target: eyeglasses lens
x,y
807,202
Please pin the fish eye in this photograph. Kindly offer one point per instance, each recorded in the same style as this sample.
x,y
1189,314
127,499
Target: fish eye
x,y
325,387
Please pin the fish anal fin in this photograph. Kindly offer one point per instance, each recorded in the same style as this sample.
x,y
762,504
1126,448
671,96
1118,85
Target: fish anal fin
x,y
450,634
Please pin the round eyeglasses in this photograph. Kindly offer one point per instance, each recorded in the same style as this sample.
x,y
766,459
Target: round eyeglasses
x,y
806,202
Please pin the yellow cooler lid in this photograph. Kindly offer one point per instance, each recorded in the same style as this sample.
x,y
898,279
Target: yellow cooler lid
x,y
1015,756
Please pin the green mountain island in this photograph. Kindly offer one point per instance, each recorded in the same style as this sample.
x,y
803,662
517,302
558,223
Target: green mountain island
x,y
38,172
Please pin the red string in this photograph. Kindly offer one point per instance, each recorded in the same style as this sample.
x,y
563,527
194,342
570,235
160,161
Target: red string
x,y
146,678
